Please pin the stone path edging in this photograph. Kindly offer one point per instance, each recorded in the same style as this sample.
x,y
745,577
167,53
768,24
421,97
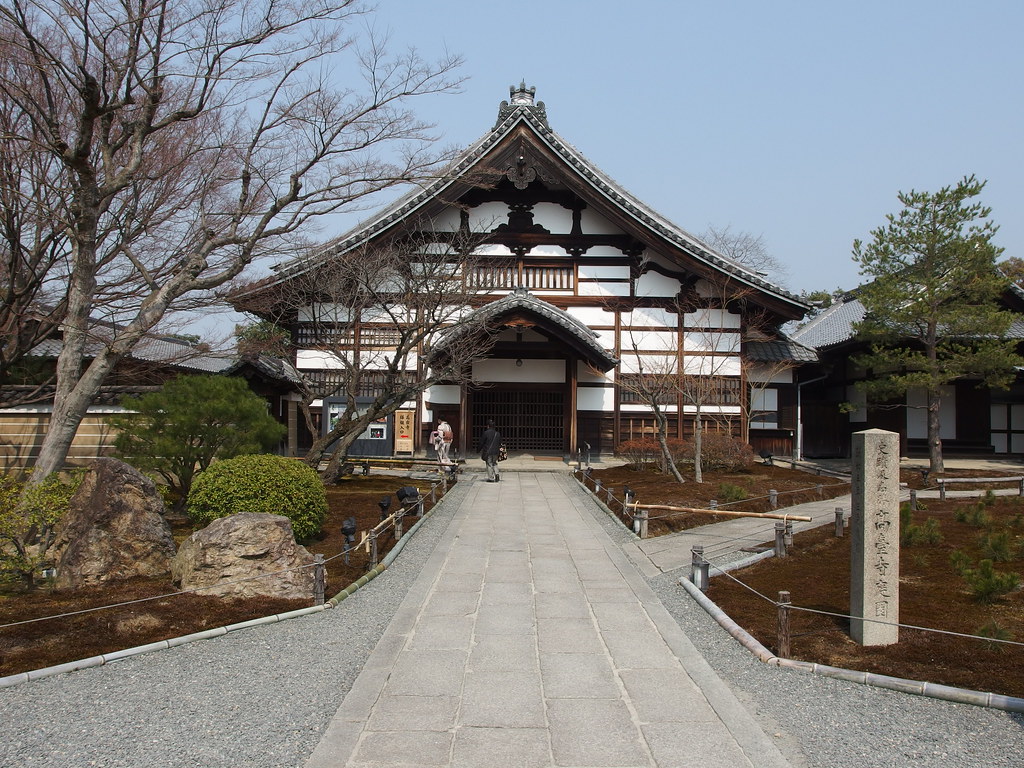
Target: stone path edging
x,y
917,687
207,634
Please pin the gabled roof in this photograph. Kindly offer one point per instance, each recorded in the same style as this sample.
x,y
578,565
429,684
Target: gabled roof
x,y
521,302
163,350
523,115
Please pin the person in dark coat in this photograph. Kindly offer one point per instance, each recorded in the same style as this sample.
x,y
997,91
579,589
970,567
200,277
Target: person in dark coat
x,y
490,444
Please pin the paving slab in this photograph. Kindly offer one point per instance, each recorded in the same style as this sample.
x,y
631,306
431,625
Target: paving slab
x,y
530,639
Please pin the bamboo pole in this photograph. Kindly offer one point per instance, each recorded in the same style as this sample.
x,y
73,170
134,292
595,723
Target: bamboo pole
x,y
728,512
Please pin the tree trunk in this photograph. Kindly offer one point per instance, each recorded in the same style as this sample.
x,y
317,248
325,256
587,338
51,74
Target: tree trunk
x,y
698,447
935,463
668,464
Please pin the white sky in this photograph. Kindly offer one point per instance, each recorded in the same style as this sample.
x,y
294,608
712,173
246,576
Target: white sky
x,y
797,121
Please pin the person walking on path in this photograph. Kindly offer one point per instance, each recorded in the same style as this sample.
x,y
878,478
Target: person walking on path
x,y
443,441
490,445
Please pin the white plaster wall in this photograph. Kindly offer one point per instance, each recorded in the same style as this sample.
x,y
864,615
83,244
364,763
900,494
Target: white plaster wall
x,y
713,410
711,365
446,221
317,360
917,414
604,250
711,341
443,394
553,217
591,316
711,318
655,284
487,216
631,363
634,408
650,341
595,399
594,224
548,250
598,271
493,249
393,313
761,373
650,316
603,289
532,371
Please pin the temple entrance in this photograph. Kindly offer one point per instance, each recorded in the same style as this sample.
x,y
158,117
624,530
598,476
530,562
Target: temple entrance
x,y
529,420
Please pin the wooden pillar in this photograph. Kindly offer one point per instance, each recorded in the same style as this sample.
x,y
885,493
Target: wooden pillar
x,y
572,369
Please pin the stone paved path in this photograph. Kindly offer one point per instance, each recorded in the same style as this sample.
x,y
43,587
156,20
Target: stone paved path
x,y
530,639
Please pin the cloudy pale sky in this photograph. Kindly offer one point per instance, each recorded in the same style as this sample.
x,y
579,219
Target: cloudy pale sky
x,y
796,121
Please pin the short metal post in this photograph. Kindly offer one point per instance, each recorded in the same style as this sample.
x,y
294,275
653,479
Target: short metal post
x,y
319,579
444,482
579,459
942,490
373,549
713,504
821,490
783,624
597,485
419,505
913,500
839,522
780,539
698,567
1021,487
792,463
398,522
433,494
610,496
789,534
773,498
817,471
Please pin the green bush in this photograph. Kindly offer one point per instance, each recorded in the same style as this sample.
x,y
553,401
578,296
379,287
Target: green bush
x,y
260,483
729,492
28,517
960,561
986,583
974,515
911,534
996,546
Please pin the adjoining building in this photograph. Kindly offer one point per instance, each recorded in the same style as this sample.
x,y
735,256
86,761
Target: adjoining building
x,y
585,288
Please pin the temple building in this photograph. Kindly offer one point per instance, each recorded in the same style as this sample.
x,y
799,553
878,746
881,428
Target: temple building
x,y
586,294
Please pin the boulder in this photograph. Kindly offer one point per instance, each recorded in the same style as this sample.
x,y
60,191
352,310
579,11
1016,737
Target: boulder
x,y
114,530
227,554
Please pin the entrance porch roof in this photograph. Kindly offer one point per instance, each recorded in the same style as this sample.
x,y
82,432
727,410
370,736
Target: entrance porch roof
x,y
521,305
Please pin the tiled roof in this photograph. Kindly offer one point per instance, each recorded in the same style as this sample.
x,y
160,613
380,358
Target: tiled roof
x,y
534,116
521,300
832,326
780,350
165,350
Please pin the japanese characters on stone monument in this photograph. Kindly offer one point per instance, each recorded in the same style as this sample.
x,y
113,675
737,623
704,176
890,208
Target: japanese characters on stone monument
x,y
875,540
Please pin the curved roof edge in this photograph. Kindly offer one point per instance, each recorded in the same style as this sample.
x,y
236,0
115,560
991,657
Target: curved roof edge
x,y
535,116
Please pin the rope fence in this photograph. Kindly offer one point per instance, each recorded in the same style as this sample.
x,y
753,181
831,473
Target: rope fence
x,y
784,605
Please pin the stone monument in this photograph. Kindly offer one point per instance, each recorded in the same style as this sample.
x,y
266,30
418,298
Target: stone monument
x,y
875,539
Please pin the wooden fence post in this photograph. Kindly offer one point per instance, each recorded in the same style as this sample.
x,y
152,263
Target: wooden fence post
x,y
319,579
780,539
783,625
839,522
913,500
773,498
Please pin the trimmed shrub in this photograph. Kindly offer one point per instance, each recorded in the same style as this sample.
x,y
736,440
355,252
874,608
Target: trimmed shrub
x,y
986,583
646,450
720,450
729,492
260,483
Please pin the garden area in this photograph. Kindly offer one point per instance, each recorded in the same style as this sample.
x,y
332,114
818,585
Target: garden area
x,y
960,569
140,619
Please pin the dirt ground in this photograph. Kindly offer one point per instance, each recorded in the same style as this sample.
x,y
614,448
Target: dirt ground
x,y
68,638
817,574
933,594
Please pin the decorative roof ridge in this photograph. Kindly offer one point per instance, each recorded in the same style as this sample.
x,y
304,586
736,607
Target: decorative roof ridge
x,y
536,116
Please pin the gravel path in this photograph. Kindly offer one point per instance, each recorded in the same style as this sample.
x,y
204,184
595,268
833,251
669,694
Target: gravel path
x,y
262,697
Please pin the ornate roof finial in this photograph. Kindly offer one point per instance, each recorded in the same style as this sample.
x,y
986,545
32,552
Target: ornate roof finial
x,y
522,98
522,95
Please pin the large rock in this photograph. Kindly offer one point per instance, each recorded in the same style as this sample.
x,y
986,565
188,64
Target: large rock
x,y
230,551
114,530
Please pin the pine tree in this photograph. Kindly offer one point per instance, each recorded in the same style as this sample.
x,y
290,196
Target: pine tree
x,y
933,312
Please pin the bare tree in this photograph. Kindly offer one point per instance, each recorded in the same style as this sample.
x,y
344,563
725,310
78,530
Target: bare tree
x,y
385,322
192,138
749,250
